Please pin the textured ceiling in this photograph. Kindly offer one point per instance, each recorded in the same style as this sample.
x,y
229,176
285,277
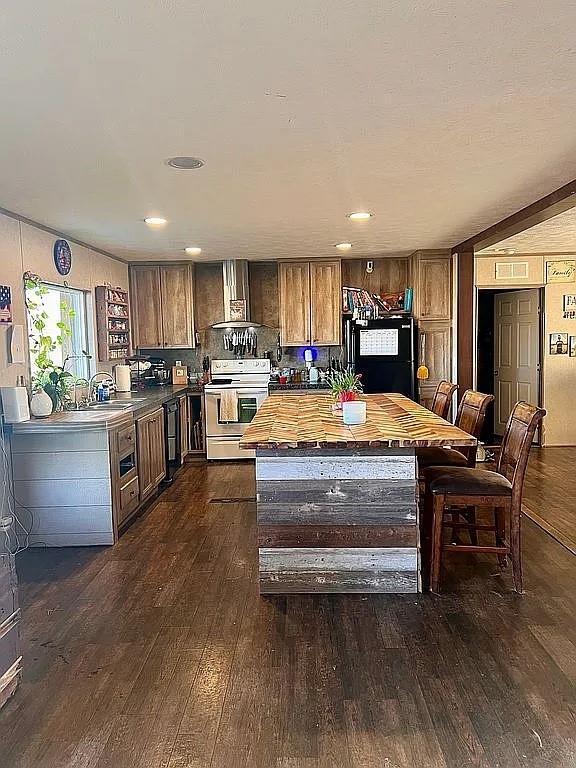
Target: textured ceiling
x,y
557,235
442,117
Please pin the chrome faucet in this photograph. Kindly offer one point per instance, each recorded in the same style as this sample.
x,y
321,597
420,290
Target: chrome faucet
x,y
92,382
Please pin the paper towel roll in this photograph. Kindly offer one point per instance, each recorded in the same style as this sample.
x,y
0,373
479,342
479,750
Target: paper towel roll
x,y
122,377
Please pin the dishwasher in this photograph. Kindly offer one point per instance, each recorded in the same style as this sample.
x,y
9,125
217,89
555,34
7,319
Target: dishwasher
x,y
173,444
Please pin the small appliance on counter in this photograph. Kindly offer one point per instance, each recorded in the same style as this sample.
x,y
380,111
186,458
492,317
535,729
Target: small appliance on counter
x,y
15,404
158,375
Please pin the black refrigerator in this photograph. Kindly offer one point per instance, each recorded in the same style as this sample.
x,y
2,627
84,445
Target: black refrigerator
x,y
384,352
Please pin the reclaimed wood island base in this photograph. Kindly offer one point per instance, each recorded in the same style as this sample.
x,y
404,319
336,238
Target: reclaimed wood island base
x,y
337,505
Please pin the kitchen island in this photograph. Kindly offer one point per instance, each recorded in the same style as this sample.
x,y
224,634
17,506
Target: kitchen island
x,y
338,505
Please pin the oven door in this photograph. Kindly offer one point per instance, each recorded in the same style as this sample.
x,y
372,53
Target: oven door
x,y
249,400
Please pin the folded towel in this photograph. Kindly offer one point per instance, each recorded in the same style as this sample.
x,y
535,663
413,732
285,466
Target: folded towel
x,y
229,405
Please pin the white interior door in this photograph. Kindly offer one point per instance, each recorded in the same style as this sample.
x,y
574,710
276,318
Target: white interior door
x,y
516,352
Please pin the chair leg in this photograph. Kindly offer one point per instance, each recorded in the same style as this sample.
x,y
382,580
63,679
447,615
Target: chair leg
x,y
500,520
471,518
437,519
516,547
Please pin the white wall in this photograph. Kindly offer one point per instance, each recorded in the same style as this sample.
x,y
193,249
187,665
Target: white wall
x,y
25,248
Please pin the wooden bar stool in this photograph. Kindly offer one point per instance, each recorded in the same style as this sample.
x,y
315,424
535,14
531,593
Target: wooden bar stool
x,y
501,491
443,398
470,418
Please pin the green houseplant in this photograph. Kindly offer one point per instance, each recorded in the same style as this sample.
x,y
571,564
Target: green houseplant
x,y
345,386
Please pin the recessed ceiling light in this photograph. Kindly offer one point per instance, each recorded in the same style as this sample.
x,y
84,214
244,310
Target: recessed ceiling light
x,y
360,215
185,163
193,250
343,246
155,221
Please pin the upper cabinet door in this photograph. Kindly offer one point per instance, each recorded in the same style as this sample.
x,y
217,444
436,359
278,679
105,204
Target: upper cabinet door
x,y
434,288
176,303
145,307
294,285
325,303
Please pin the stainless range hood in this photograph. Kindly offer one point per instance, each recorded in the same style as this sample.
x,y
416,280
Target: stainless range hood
x,y
236,288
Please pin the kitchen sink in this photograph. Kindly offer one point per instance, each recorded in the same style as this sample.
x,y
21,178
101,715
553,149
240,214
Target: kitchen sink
x,y
112,405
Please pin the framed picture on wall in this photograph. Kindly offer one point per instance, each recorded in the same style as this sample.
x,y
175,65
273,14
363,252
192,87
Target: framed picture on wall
x,y
5,305
561,271
569,306
572,346
558,343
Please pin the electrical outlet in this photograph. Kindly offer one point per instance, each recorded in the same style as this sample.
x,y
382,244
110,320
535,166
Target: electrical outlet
x,y
6,523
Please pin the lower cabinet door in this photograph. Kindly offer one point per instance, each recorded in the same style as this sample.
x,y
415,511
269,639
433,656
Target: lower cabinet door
x,y
144,459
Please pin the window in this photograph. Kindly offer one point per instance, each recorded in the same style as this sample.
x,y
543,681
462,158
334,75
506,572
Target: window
x,y
64,315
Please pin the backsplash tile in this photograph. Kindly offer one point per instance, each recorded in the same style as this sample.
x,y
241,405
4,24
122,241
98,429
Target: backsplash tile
x,y
211,345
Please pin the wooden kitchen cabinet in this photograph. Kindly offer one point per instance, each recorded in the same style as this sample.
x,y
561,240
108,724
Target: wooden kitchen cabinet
x,y
294,290
310,302
145,307
162,306
433,288
325,302
151,452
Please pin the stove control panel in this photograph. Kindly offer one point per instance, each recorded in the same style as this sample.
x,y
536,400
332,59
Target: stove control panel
x,y
258,365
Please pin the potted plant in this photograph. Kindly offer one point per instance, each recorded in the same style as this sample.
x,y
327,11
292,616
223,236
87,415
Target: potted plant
x,y
345,387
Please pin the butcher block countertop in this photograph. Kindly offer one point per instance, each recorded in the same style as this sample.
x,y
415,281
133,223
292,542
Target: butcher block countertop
x,y
305,420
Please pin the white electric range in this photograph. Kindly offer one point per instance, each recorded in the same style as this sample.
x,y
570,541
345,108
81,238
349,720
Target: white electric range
x,y
249,379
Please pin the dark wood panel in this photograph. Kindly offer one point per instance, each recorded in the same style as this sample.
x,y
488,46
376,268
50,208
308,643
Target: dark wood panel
x,y
332,494
264,292
208,294
388,276
465,315
337,536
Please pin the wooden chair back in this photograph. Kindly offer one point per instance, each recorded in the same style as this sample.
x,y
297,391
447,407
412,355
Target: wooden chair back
x,y
443,398
470,417
516,443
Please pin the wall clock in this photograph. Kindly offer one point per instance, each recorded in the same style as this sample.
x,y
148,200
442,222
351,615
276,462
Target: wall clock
x,y
62,257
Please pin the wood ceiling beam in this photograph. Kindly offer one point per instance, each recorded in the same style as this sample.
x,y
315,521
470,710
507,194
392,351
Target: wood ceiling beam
x,y
546,208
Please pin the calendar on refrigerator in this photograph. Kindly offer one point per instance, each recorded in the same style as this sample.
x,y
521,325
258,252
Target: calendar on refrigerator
x,y
378,341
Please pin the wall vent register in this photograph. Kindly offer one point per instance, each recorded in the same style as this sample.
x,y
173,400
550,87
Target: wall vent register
x,y
511,270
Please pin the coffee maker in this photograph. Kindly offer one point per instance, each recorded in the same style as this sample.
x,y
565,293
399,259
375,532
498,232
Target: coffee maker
x,y
158,375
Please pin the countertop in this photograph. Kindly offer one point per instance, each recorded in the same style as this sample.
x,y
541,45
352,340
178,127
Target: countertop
x,y
144,401
305,420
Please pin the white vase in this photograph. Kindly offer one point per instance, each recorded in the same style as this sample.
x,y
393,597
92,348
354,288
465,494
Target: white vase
x,y
354,412
41,404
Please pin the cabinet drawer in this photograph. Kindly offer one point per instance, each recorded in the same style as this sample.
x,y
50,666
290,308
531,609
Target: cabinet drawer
x,y
126,440
129,497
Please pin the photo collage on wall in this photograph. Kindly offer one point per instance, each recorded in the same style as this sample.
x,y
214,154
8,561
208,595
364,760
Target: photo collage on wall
x,y
562,343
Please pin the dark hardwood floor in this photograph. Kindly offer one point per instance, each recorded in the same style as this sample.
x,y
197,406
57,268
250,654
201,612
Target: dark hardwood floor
x,y
159,653
550,492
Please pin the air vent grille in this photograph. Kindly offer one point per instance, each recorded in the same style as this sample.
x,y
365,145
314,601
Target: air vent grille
x,y
511,270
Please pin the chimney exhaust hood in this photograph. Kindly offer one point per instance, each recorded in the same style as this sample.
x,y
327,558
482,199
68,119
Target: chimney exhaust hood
x,y
236,289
